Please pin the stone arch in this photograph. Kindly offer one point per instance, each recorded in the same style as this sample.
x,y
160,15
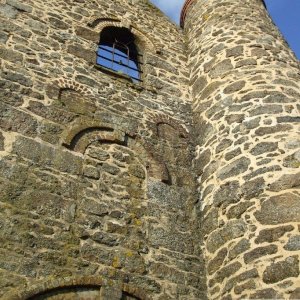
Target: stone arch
x,y
57,86
85,132
64,285
64,83
99,24
164,119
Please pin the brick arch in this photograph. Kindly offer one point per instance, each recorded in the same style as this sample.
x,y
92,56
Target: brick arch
x,y
64,83
84,132
165,119
57,86
99,24
50,285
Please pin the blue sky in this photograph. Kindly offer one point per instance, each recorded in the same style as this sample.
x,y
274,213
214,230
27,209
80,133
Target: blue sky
x,y
285,13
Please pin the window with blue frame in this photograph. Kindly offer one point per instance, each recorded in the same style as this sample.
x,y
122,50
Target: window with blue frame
x,y
117,51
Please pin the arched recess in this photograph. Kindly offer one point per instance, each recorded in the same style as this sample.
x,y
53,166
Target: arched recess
x,y
78,288
55,88
98,24
85,132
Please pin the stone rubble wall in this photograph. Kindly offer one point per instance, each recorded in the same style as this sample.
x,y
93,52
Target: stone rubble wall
x,y
245,84
95,183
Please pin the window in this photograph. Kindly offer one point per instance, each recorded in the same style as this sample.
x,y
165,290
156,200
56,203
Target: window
x,y
117,51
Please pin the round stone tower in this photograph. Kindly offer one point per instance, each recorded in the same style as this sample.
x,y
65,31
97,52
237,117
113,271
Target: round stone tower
x,y
96,188
245,88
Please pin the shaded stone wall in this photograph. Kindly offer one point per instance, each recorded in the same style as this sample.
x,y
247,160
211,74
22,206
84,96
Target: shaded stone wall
x,y
245,87
96,192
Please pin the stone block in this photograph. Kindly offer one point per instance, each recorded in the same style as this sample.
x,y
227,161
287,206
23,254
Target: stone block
x,y
293,243
281,270
234,168
80,52
279,209
8,11
257,253
232,230
19,6
273,234
11,55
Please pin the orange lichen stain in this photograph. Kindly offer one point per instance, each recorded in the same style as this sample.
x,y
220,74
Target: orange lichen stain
x,y
205,17
116,262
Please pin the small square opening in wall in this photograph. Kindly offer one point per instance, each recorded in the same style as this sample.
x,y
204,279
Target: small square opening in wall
x,y
117,51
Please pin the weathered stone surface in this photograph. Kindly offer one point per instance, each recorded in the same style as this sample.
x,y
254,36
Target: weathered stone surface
x,y
227,193
234,168
253,188
242,246
259,252
91,172
97,175
232,230
292,161
216,262
249,285
221,68
233,154
80,52
281,270
8,11
199,85
266,109
227,271
240,278
288,119
210,89
10,55
210,221
37,26
264,147
235,52
272,235
265,294
235,118
234,87
246,62
272,129
19,6
285,182
56,22
1,142
295,294
18,78
237,210
293,243
279,210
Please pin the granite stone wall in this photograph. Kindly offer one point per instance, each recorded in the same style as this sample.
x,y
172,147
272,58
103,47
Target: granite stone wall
x,y
245,86
96,188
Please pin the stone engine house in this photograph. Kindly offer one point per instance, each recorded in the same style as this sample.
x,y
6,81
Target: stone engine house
x,y
143,160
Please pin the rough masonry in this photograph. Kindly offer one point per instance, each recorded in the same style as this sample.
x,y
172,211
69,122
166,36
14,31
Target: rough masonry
x,y
245,97
183,186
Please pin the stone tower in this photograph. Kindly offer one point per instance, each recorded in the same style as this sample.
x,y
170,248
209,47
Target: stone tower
x,y
244,83
165,167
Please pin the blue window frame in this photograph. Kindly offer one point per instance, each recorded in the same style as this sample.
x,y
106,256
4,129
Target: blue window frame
x,y
118,52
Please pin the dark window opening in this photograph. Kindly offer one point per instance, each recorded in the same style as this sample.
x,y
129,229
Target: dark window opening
x,y
117,51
